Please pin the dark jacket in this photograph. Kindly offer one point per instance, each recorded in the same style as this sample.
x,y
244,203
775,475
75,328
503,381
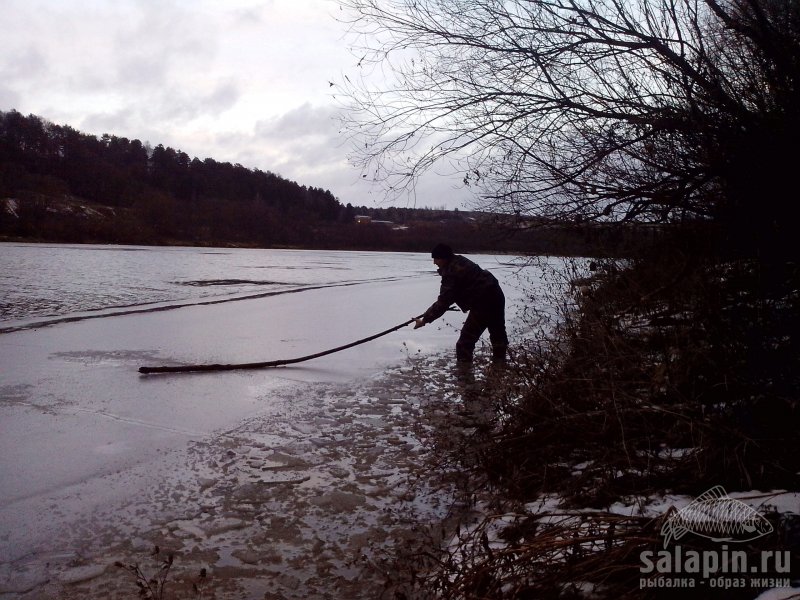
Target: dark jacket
x,y
464,283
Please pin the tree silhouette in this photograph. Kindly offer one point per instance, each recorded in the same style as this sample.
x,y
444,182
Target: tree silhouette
x,y
652,110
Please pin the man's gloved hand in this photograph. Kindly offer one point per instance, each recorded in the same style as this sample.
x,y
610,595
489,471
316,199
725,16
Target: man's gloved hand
x,y
419,323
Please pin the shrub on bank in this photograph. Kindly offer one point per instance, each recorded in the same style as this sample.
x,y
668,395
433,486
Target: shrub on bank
x,y
670,373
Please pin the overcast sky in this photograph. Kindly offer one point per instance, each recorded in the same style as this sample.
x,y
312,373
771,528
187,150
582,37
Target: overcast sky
x,y
243,81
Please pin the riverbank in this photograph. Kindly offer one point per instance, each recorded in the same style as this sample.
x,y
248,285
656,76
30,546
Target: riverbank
x,y
659,420
270,482
385,473
307,502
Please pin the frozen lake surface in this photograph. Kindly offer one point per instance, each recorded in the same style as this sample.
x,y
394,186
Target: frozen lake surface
x,y
45,283
83,434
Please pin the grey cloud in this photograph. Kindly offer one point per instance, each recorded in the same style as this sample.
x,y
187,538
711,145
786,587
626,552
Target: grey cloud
x,y
307,146
136,70
302,145
8,98
180,105
148,118
249,16
302,122
223,97
108,122
163,40
23,64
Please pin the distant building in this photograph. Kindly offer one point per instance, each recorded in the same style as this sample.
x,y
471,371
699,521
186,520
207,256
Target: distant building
x,y
363,219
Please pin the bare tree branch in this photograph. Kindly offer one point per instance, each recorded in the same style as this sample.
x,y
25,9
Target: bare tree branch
x,y
580,109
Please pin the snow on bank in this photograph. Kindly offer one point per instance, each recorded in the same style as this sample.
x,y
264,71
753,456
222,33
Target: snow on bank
x,y
11,206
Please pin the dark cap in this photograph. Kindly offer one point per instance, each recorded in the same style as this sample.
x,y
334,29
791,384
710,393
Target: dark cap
x,y
442,251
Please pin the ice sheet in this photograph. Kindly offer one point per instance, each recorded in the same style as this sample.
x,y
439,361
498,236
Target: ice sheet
x,y
79,425
96,458
76,407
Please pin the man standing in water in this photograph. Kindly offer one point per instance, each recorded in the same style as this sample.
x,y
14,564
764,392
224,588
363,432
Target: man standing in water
x,y
476,291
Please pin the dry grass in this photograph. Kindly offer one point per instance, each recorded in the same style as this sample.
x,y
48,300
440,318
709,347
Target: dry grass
x,y
671,374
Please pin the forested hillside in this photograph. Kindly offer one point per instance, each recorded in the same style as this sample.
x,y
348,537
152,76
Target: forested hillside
x,y
58,184
139,193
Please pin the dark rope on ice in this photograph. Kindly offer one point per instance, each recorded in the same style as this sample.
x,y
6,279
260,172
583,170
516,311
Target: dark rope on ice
x,y
270,363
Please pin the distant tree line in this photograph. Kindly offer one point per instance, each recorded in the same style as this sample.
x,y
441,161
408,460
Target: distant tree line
x,y
58,184
156,193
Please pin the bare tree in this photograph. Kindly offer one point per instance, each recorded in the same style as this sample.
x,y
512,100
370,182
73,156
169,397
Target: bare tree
x,y
584,109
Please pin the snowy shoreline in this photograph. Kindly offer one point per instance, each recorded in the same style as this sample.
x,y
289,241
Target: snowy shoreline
x,y
274,479
299,482
300,503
